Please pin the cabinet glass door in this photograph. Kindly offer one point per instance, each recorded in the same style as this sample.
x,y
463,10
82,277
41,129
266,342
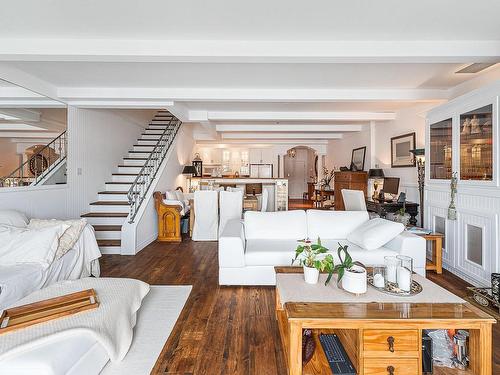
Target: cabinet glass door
x,y
440,149
476,144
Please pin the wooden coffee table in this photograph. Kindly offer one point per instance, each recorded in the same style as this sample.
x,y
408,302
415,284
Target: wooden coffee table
x,y
366,329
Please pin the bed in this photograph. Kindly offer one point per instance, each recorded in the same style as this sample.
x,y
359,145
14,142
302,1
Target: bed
x,y
19,280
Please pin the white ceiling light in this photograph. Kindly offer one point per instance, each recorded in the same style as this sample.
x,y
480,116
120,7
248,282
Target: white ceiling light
x,y
18,126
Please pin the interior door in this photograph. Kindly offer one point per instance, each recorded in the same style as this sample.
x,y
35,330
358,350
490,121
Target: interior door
x,y
295,172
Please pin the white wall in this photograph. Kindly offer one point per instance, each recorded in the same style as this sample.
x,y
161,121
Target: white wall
x,y
98,139
170,178
339,151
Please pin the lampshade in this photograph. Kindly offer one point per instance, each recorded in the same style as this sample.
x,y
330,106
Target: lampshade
x,y
189,169
376,173
418,151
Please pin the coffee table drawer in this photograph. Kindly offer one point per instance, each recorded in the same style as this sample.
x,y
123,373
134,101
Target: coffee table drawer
x,y
391,342
389,366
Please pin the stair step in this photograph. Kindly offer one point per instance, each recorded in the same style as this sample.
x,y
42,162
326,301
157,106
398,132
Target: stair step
x,y
118,177
107,228
147,142
130,168
145,149
109,242
108,203
142,154
105,214
118,186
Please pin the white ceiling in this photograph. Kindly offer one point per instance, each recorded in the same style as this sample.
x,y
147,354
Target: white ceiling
x,y
249,63
253,20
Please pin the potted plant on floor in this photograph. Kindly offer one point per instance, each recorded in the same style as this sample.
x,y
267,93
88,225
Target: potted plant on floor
x,y
352,274
313,259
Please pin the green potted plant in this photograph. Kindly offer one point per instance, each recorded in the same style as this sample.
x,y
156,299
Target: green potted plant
x,y
350,273
313,259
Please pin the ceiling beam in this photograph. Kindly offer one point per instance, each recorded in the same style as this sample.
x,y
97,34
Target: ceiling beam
x,y
238,51
263,142
250,95
300,116
281,136
287,128
27,134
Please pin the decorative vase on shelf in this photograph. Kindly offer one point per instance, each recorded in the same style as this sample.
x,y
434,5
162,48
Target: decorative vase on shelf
x,y
311,275
354,280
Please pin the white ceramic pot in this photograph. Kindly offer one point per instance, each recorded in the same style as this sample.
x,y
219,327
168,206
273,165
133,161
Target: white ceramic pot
x,y
311,275
354,280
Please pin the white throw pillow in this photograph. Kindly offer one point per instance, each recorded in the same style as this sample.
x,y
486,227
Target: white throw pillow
x,y
13,218
375,233
179,195
69,237
170,195
23,245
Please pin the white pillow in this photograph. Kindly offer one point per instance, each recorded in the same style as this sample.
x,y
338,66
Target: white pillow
x,y
13,218
375,233
22,245
170,195
69,237
179,195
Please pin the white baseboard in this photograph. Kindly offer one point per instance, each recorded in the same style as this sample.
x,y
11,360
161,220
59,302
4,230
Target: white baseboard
x,y
146,242
463,276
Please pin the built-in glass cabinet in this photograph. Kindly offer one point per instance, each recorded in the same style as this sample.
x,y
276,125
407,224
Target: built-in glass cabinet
x,y
476,144
441,138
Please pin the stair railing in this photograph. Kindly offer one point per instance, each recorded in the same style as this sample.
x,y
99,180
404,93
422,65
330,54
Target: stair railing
x,y
137,192
46,155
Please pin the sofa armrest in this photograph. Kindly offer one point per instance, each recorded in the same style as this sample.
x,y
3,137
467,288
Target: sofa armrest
x,y
411,245
232,245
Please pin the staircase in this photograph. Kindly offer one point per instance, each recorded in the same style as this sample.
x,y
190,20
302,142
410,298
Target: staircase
x,y
128,187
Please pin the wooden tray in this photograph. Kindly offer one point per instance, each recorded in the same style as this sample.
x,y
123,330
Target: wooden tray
x,y
42,311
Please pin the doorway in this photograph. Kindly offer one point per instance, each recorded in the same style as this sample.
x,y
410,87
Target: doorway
x,y
299,169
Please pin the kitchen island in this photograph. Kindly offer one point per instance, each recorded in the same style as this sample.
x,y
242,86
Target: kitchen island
x,y
276,187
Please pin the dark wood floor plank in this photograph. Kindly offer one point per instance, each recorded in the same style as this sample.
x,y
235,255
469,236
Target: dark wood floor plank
x,y
222,330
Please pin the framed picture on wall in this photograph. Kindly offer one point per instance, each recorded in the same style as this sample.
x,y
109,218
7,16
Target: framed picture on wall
x,y
400,151
358,159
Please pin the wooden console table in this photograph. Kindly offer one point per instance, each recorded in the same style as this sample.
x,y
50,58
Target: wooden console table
x,y
381,338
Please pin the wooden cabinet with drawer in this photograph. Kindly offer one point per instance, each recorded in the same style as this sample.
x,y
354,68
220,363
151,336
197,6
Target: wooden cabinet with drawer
x,y
388,366
348,180
391,343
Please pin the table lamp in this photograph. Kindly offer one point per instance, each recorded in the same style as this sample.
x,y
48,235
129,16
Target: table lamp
x,y
375,174
189,170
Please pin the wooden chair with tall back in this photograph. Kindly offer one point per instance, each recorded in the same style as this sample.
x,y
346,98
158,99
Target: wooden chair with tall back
x,y
169,219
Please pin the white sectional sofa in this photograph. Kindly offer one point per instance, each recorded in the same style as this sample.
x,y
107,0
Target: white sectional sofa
x,y
249,249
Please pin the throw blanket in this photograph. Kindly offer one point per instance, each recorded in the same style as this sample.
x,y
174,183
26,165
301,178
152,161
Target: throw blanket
x,y
111,324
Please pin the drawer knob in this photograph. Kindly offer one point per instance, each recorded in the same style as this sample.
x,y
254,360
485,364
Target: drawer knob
x,y
390,341
390,370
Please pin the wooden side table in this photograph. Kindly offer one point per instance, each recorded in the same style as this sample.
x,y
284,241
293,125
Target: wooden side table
x,y
436,264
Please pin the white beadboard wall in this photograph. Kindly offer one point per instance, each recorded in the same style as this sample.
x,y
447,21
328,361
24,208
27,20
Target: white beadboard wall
x,y
98,140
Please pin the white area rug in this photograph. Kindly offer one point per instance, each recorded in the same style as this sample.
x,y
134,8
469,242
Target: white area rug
x,y
159,311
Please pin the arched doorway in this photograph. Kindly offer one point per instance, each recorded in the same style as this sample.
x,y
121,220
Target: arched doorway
x,y
300,166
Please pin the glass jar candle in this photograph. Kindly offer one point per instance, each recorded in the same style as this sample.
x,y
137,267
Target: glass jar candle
x,y
391,268
378,275
404,272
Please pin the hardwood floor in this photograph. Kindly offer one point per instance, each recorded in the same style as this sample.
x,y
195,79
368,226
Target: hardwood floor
x,y
222,330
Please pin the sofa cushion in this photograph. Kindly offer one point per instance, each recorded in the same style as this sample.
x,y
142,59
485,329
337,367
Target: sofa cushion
x,y
260,252
289,225
333,224
281,253
375,233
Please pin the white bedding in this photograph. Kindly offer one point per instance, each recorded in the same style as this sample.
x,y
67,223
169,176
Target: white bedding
x,y
111,324
17,281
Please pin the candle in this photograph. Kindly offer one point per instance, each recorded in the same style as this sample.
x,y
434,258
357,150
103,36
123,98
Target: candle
x,y
391,273
404,279
378,280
